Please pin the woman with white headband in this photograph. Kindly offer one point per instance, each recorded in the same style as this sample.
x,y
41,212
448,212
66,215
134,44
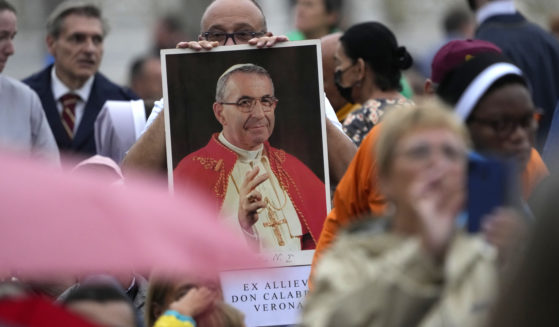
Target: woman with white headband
x,y
493,98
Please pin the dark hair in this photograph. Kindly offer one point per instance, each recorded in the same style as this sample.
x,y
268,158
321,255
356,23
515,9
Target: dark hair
x,y
101,292
158,291
455,19
98,292
172,22
333,5
5,5
56,18
377,46
137,66
239,68
329,5
504,81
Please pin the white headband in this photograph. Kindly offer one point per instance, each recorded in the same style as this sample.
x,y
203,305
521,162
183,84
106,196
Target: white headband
x,y
479,86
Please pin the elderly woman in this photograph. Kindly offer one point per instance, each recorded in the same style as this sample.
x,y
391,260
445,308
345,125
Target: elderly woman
x,y
412,267
368,71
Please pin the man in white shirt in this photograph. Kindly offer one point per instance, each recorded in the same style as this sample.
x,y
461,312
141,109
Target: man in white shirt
x,y
23,125
221,24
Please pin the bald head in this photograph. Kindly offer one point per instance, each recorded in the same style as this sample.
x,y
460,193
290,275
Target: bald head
x,y
232,16
328,45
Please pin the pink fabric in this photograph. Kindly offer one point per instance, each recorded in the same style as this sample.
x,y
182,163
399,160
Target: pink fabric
x,y
98,160
55,223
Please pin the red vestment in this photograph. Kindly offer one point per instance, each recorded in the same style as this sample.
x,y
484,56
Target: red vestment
x,y
209,169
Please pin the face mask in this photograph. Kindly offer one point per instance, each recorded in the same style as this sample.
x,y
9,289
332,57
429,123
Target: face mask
x,y
345,92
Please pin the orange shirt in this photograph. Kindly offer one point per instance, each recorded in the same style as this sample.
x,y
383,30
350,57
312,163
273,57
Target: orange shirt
x,y
533,174
357,195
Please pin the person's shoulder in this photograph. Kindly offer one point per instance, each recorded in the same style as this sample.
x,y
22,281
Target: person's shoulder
x,y
206,158
111,89
369,226
365,239
40,77
17,89
279,154
12,84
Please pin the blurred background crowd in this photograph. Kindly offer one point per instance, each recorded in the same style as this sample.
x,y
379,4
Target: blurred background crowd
x,y
138,26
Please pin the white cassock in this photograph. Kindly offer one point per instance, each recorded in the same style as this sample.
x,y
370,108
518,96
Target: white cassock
x,y
278,226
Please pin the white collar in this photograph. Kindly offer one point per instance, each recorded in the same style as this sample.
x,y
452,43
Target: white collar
x,y
59,88
494,8
244,155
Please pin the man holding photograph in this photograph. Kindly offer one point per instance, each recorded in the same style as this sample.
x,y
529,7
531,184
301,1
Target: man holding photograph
x,y
269,194
230,22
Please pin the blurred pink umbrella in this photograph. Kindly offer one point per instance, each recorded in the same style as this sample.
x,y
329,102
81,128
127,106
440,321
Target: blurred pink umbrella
x,y
54,223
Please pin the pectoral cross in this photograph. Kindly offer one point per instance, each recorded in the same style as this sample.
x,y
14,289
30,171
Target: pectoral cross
x,y
274,223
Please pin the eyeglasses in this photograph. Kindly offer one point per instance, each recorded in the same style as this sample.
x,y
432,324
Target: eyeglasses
x,y
504,127
423,152
222,37
247,104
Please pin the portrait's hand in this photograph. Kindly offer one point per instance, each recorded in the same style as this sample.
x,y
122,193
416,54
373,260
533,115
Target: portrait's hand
x,y
198,45
267,40
437,199
504,229
250,200
194,302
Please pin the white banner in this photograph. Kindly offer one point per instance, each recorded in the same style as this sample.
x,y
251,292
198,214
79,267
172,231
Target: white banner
x,y
267,297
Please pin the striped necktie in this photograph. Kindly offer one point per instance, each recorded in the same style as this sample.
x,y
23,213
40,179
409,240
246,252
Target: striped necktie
x,y
69,101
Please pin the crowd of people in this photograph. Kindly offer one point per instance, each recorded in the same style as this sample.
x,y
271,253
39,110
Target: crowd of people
x,y
399,247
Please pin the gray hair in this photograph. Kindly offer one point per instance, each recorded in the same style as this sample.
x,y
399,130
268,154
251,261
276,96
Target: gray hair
x,y
239,68
56,18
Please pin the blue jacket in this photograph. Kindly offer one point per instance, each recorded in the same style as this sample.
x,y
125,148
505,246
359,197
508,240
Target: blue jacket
x,y
84,139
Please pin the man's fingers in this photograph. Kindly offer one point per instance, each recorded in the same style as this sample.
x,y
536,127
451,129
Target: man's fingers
x,y
257,181
194,45
182,45
208,45
254,202
266,42
255,206
251,174
252,179
254,196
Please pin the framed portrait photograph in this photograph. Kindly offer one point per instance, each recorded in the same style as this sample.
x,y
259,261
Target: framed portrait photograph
x,y
266,117
246,126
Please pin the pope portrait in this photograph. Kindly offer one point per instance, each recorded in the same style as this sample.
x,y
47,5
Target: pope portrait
x,y
270,196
